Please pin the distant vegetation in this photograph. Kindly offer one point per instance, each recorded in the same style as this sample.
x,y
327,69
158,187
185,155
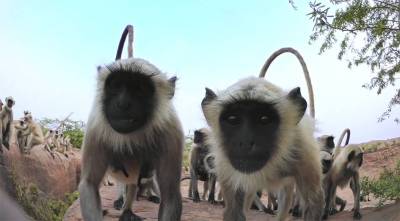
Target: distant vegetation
x,y
186,153
373,146
386,188
73,129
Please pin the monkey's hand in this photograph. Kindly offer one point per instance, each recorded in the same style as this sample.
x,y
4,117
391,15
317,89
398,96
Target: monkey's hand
x,y
268,211
128,215
357,215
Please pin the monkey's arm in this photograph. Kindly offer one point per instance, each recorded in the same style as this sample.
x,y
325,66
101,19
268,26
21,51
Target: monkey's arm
x,y
169,176
94,165
234,200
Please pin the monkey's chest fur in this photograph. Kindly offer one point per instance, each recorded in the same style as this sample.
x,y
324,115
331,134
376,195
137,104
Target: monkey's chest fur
x,y
201,171
126,166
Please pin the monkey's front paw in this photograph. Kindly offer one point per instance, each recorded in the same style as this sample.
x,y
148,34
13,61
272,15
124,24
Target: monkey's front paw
x,y
212,200
128,215
268,211
118,203
154,199
357,215
333,211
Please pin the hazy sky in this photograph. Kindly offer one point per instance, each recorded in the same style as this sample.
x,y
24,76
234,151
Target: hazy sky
x,y
49,51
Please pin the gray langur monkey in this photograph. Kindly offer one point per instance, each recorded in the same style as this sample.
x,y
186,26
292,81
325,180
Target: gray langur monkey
x,y
34,133
263,139
198,166
132,123
6,119
345,169
22,138
326,143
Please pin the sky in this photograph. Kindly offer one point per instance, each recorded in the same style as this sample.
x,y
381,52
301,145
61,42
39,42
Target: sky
x,y
49,51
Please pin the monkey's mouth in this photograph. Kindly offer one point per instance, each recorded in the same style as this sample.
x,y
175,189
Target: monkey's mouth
x,y
248,164
126,125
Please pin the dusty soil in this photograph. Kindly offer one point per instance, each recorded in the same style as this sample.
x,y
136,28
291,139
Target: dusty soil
x,y
373,165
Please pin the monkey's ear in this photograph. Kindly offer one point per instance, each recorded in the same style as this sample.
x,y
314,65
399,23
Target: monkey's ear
x,y
296,97
351,156
99,68
172,83
210,96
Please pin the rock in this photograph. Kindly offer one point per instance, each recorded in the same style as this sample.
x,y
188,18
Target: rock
x,y
54,177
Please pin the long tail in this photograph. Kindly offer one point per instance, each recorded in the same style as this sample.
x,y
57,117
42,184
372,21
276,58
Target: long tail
x,y
305,70
128,30
345,131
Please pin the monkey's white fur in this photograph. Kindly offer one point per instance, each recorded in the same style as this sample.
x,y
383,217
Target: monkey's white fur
x,y
162,113
288,134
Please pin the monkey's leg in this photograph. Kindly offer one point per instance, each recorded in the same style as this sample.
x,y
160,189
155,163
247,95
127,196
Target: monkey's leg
x,y
195,191
233,204
330,192
309,187
205,189
1,136
6,140
169,176
93,169
285,198
29,144
121,193
355,187
127,214
341,202
213,181
274,201
190,191
154,191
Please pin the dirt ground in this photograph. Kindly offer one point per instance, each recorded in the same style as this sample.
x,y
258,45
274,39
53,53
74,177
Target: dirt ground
x,y
373,165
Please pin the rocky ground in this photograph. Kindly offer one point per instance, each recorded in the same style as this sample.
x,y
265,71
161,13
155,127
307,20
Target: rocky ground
x,y
372,167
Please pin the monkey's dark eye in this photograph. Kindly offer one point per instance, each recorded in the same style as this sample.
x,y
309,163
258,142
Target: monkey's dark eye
x,y
263,119
232,119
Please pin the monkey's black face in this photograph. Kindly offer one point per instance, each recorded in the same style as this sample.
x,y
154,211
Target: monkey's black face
x,y
249,131
198,137
329,142
129,100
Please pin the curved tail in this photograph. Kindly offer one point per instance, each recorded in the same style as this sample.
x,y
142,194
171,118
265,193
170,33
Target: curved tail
x,y
128,30
345,131
305,70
